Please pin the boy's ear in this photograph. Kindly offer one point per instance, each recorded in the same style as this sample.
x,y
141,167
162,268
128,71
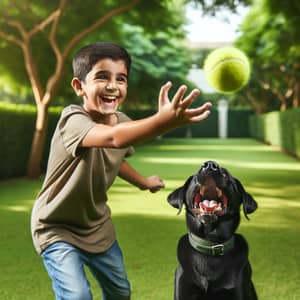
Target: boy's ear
x,y
77,86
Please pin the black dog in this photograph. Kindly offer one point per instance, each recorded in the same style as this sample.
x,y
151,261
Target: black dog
x,y
213,259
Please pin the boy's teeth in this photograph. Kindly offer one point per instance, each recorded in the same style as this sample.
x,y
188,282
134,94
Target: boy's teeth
x,y
110,97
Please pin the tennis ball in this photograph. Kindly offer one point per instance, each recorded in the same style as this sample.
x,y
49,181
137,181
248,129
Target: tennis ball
x,y
227,69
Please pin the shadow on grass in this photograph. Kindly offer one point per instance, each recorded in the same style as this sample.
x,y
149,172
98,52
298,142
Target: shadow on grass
x,y
149,246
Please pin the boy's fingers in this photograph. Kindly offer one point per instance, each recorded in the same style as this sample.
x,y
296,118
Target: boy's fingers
x,y
164,90
190,98
176,101
182,105
200,117
198,114
199,110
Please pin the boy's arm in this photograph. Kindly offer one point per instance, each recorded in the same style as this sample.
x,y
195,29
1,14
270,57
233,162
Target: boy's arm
x,y
128,173
171,114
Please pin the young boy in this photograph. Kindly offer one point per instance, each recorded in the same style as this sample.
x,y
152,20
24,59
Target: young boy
x,y
71,223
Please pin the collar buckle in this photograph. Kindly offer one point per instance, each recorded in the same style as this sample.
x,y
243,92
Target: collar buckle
x,y
217,250
208,247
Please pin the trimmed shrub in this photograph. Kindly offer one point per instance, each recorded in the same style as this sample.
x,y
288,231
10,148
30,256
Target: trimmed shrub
x,y
238,122
280,129
208,128
17,124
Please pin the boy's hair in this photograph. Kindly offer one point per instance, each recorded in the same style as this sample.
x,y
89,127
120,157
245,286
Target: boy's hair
x,y
89,55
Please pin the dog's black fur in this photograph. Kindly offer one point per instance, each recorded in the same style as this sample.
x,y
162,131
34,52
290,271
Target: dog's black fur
x,y
202,276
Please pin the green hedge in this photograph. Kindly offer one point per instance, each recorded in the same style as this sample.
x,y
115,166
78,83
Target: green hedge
x,y
238,124
17,126
204,129
280,129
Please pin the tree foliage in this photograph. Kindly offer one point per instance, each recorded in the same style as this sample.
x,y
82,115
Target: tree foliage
x,y
159,57
212,6
38,37
50,34
271,40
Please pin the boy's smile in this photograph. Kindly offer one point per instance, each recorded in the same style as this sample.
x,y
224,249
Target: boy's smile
x,y
104,88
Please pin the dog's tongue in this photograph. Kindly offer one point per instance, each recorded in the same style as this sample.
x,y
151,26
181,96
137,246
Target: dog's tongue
x,y
209,206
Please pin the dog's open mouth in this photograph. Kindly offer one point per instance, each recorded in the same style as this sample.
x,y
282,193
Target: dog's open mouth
x,y
209,200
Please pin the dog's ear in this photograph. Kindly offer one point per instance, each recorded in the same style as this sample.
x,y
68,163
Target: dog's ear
x,y
177,197
249,204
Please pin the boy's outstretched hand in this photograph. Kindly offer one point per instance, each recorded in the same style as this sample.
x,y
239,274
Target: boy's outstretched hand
x,y
179,109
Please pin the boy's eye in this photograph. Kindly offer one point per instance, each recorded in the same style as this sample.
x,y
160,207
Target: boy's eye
x,y
122,79
105,76
102,76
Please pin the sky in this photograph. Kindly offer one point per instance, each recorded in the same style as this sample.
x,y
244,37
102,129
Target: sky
x,y
221,28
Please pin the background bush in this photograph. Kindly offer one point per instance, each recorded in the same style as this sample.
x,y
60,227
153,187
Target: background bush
x,y
17,126
280,129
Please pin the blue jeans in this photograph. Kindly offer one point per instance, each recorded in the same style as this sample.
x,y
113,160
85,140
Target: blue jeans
x,y
65,266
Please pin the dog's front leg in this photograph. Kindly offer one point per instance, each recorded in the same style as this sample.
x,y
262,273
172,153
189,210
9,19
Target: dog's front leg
x,y
245,290
249,292
184,288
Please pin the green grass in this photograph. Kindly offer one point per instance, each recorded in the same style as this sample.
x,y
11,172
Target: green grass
x,y
148,228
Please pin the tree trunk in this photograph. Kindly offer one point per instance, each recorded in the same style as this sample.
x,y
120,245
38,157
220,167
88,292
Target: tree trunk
x,y
283,105
256,105
296,95
38,142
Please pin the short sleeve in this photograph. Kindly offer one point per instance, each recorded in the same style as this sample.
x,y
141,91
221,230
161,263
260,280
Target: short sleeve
x,y
73,126
130,151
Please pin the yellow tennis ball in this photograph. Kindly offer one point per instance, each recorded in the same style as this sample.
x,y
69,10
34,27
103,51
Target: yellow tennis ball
x,y
227,69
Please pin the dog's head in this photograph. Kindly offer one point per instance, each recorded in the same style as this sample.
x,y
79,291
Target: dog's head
x,y
212,193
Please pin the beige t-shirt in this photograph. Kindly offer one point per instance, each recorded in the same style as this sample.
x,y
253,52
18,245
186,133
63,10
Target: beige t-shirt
x,y
71,205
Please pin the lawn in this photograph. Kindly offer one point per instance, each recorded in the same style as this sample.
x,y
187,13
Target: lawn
x,y
148,228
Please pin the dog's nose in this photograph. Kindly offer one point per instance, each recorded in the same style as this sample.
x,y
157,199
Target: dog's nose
x,y
210,166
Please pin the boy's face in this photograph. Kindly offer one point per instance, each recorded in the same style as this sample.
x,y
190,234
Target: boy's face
x,y
104,88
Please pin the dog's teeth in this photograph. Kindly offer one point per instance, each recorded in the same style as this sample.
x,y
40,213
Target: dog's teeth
x,y
206,203
212,203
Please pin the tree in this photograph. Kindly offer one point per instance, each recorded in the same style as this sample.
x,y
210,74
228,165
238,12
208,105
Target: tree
x,y
46,32
25,21
149,72
270,39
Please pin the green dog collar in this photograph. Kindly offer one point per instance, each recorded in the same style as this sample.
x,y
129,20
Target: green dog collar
x,y
210,248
